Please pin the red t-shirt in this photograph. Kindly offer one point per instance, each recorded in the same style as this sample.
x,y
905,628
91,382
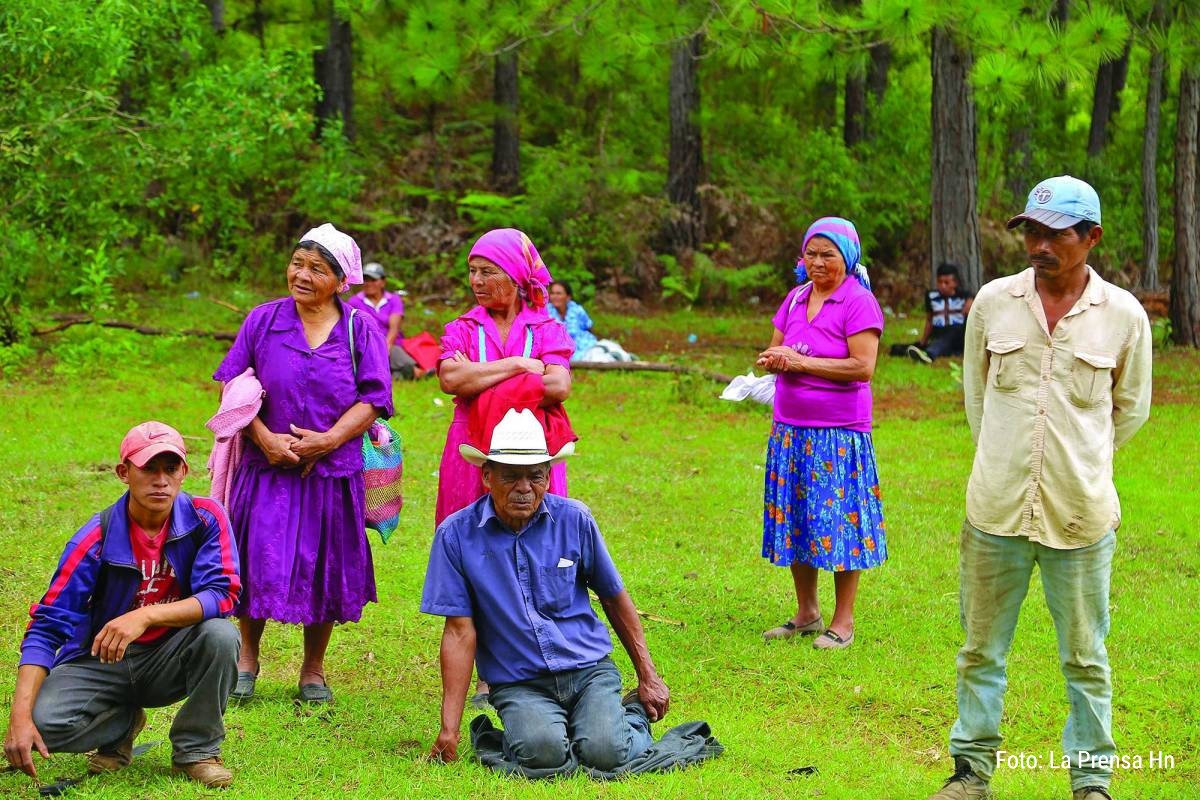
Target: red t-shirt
x,y
158,578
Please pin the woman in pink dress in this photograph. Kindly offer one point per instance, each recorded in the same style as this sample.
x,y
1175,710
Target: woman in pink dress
x,y
506,334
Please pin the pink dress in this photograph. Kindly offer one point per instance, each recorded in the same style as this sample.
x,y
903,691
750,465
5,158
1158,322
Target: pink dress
x,y
460,483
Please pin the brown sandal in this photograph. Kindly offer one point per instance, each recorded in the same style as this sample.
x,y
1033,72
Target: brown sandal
x,y
789,629
831,641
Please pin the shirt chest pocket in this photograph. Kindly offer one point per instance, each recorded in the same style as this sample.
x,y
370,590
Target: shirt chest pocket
x,y
555,589
1091,379
1006,362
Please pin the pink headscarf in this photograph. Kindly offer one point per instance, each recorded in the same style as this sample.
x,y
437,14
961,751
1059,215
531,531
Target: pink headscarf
x,y
513,252
343,249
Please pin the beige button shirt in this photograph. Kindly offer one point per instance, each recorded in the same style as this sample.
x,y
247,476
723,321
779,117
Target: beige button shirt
x,y
1047,411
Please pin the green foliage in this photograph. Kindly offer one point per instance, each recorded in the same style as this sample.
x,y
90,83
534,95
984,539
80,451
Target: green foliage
x,y
186,151
95,289
1160,330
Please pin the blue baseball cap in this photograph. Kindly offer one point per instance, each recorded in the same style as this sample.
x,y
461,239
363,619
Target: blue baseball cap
x,y
1059,203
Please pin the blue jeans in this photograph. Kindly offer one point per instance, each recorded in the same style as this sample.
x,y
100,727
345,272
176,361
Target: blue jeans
x,y
994,573
546,718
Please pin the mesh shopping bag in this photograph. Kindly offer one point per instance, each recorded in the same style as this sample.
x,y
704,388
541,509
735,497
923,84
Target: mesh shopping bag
x,y
383,467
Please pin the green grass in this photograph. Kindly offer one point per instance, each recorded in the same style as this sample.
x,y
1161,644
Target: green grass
x,y
674,478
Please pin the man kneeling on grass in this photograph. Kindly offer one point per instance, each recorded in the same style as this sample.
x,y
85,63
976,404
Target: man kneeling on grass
x,y
132,619
511,574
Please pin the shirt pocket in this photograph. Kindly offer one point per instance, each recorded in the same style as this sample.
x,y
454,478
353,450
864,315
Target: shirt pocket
x,y
1007,362
1091,379
555,589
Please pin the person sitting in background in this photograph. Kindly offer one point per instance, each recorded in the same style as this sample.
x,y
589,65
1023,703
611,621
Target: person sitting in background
x,y
132,619
386,310
587,347
946,309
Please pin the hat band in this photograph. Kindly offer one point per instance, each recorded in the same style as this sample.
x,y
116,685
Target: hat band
x,y
511,451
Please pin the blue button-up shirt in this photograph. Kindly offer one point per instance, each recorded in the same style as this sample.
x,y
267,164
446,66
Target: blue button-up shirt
x,y
526,592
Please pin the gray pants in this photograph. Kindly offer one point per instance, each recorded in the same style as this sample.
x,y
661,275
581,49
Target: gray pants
x,y
401,363
85,705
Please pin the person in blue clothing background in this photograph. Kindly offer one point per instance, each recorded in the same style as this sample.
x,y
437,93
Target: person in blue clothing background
x,y
562,308
139,592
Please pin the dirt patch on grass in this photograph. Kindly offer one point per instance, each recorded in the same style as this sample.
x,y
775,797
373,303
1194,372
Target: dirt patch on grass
x,y
916,404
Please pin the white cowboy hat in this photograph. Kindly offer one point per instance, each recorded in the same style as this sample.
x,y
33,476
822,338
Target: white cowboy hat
x,y
517,439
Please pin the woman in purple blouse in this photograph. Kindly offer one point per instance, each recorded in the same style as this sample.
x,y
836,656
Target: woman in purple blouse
x,y
822,506
297,500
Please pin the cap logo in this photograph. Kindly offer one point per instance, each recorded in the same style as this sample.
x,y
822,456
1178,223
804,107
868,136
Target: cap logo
x,y
1042,194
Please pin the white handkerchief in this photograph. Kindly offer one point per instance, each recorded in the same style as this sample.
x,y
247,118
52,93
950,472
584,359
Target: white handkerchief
x,y
566,562
760,389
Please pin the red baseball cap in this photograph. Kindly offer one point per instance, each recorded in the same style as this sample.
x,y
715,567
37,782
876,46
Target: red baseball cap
x,y
145,441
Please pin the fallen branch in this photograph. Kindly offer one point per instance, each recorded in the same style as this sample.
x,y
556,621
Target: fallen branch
x,y
655,618
651,366
224,304
75,319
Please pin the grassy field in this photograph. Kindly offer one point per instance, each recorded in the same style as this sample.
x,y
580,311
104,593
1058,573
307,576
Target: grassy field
x,y
674,477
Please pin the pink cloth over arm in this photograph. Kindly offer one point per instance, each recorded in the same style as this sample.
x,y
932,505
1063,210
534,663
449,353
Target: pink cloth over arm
x,y
241,400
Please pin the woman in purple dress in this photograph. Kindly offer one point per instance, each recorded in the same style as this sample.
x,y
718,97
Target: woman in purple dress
x,y
297,500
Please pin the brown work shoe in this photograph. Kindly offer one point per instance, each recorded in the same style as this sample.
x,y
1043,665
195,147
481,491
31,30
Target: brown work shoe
x,y
1091,793
964,784
111,759
210,772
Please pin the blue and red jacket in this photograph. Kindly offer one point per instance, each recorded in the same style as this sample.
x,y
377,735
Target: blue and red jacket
x,y
97,579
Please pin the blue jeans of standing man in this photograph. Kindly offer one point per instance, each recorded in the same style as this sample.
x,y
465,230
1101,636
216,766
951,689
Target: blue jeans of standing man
x,y
545,718
994,572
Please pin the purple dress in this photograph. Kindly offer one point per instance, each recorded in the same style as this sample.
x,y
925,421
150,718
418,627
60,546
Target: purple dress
x,y
461,483
302,543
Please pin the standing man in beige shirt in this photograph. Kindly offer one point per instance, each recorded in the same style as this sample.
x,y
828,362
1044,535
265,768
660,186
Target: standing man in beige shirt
x,y
1056,376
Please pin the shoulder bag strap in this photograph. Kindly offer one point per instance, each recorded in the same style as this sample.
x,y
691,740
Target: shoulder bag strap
x,y
350,339
483,343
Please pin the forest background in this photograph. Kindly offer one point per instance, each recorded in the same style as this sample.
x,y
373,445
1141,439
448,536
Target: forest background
x,y
654,150
157,155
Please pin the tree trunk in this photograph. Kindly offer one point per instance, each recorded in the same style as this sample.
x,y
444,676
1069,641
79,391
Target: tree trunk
x,y
1149,280
1120,76
216,13
334,71
258,21
1110,80
685,159
823,104
1185,280
954,215
877,76
854,129
1059,14
506,136
1019,164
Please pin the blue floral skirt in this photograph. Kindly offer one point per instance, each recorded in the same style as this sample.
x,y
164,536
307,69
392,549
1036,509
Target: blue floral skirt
x,y
822,504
